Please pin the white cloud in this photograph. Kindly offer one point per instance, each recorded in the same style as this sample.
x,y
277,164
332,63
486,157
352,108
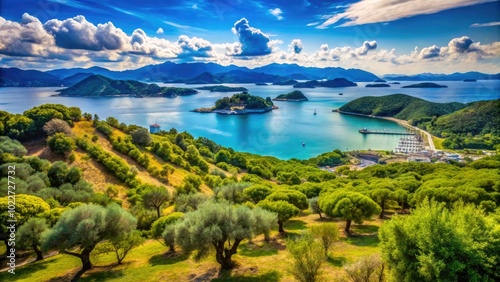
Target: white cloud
x,y
376,11
296,46
159,31
252,41
485,24
78,33
277,13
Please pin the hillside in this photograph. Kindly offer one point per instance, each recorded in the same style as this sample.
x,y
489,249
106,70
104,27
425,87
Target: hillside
x,y
399,106
472,126
100,86
476,126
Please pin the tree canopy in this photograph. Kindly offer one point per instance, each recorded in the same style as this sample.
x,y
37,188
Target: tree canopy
x,y
351,206
439,244
84,227
213,225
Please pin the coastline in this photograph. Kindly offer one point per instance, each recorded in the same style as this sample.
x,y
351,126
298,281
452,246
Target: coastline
x,y
401,122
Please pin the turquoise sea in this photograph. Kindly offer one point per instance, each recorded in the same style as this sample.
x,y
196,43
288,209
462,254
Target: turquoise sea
x,y
279,133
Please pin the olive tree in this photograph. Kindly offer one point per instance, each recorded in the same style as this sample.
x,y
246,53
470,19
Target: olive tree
x,y
351,206
56,125
159,229
84,227
154,197
220,226
232,192
141,136
122,245
435,243
29,234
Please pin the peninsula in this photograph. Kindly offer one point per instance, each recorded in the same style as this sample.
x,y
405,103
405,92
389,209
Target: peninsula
x,y
101,86
294,96
240,104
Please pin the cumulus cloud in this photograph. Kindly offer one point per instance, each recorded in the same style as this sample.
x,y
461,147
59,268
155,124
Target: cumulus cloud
x,y
78,33
277,13
376,11
27,38
367,46
485,24
252,41
460,45
296,46
159,31
194,47
430,52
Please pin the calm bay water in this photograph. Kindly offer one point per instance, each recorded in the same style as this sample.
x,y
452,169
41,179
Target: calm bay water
x,y
279,133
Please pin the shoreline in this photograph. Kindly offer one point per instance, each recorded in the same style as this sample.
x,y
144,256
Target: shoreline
x,y
401,122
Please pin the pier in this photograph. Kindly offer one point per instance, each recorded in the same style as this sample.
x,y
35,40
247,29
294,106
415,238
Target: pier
x,y
366,131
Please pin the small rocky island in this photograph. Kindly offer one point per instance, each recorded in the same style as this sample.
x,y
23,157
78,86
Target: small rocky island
x,y
333,83
294,96
222,88
470,80
425,85
240,104
378,85
379,80
101,86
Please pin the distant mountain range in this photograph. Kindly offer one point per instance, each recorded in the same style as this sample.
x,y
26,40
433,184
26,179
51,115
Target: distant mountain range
x,y
193,73
100,86
443,77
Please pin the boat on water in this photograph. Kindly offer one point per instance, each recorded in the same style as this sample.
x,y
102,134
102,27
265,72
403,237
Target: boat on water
x,y
314,111
303,144
341,93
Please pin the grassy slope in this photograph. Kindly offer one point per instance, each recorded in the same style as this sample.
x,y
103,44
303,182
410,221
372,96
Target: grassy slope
x,y
258,261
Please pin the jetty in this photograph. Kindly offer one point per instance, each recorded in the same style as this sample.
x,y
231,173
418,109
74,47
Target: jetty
x,y
366,131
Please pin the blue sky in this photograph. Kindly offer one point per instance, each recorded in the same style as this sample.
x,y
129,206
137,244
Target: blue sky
x,y
380,36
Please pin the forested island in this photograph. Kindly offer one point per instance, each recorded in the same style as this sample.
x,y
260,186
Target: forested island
x,y
336,82
378,85
425,85
238,104
294,96
100,198
101,86
474,125
222,88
